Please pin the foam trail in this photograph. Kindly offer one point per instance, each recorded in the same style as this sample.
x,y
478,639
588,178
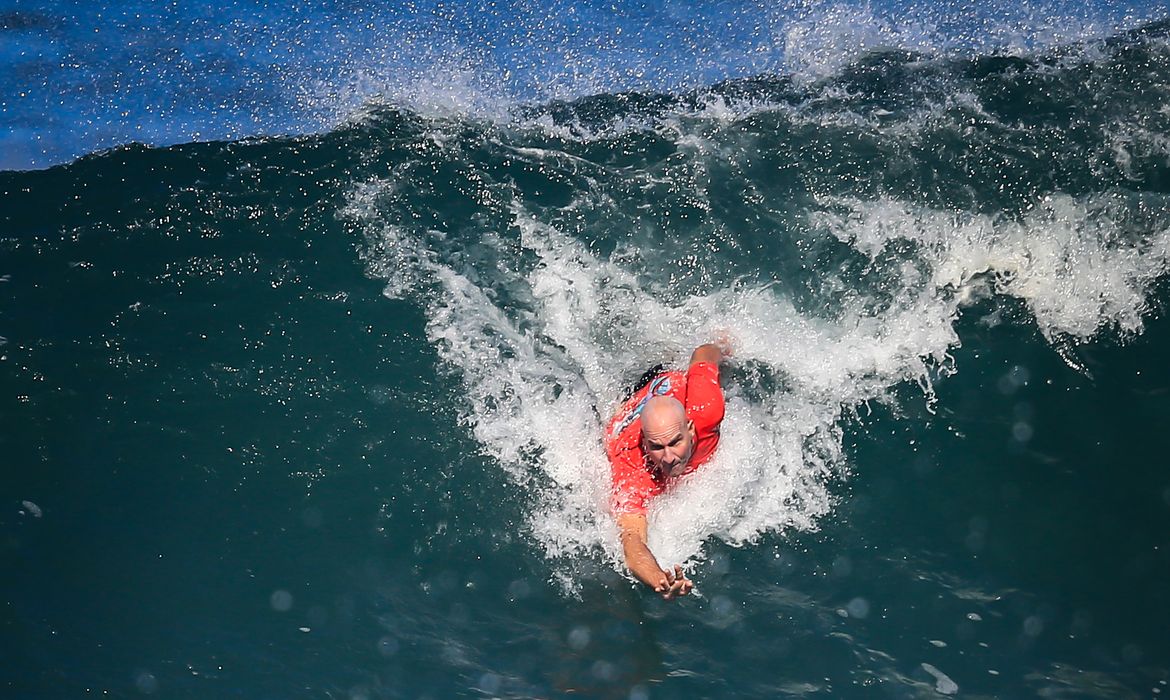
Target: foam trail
x,y
546,294
528,389
540,373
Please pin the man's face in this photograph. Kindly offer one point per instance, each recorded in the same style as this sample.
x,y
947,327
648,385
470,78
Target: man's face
x,y
669,446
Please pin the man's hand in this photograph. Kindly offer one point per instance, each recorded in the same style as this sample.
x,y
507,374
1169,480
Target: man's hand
x,y
665,582
714,352
673,583
726,343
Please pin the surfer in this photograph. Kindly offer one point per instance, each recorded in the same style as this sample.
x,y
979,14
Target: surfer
x,y
666,428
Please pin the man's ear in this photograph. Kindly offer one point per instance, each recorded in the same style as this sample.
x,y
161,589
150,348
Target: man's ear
x,y
691,429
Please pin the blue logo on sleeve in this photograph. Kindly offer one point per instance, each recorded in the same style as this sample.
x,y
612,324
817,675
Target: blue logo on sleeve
x,y
658,387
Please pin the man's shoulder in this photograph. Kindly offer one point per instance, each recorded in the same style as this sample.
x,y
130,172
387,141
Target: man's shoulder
x,y
704,402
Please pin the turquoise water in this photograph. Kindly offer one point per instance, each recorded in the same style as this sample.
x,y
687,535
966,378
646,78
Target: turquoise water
x,y
319,416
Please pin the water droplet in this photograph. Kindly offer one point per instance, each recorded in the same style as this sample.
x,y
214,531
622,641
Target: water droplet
x,y
977,524
519,589
1033,626
1021,431
380,394
145,682
579,637
489,683
604,671
975,541
311,517
388,646
859,608
318,616
281,601
721,605
1132,654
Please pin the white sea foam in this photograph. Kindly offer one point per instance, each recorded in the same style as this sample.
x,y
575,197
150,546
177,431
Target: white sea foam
x,y
832,36
1130,143
546,338
1074,263
435,71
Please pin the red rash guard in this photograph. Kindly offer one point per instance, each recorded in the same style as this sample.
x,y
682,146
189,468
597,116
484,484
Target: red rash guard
x,y
635,482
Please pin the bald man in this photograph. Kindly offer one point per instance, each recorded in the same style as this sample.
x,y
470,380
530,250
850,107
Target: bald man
x,y
667,428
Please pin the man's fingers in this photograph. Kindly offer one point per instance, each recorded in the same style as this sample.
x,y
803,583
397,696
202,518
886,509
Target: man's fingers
x,y
677,588
725,341
673,583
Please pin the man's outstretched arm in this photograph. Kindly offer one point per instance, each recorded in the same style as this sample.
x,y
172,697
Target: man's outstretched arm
x,y
642,563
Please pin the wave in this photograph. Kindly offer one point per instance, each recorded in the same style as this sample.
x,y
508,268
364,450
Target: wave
x,y
839,229
839,234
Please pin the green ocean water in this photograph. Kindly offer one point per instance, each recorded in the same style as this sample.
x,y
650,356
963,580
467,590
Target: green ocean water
x,y
320,416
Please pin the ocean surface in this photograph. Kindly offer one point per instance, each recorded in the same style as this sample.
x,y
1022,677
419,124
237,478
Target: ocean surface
x,y
311,316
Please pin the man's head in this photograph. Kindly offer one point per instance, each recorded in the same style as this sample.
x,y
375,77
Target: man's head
x,y
668,438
